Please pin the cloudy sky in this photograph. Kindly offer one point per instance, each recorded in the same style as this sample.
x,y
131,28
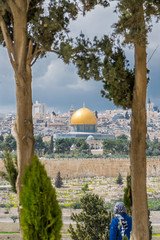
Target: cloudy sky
x,y
58,85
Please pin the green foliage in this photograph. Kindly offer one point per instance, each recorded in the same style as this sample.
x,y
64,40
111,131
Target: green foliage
x,y
85,188
10,143
58,181
116,146
125,238
94,220
127,116
134,21
82,145
11,173
7,208
39,145
1,138
118,79
119,180
153,148
103,61
40,214
122,137
63,145
47,25
127,198
51,146
76,205
154,204
14,218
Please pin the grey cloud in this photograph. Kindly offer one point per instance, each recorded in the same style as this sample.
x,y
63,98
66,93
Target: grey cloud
x,y
59,86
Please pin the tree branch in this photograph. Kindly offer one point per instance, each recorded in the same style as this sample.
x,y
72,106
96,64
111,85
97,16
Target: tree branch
x,y
46,50
8,43
29,54
28,2
37,53
13,6
35,59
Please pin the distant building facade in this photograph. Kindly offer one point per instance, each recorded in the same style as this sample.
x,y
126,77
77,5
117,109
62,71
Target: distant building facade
x,y
39,108
83,124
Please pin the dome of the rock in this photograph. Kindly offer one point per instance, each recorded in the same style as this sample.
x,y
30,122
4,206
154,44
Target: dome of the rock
x,y
83,120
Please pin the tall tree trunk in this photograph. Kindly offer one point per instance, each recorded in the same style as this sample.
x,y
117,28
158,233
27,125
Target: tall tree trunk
x,y
23,80
24,125
138,148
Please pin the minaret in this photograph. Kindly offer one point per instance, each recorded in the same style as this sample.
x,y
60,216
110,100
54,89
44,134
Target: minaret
x,y
150,106
71,111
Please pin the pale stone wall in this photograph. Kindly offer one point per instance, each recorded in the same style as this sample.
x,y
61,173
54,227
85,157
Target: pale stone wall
x,y
75,168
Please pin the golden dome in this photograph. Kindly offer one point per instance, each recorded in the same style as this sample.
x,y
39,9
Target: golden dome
x,y
83,116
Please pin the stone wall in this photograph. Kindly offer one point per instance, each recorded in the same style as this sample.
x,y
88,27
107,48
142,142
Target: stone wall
x,y
73,168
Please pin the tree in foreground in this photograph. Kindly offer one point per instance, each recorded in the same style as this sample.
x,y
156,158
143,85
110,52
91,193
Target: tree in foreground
x,y
58,181
28,30
105,61
11,172
94,220
41,216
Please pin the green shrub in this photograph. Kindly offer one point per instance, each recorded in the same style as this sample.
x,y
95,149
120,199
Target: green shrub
x,y
58,181
85,188
119,179
154,204
76,205
41,217
11,173
14,218
93,221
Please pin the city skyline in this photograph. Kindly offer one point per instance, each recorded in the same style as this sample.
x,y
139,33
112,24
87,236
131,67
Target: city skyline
x,y
58,85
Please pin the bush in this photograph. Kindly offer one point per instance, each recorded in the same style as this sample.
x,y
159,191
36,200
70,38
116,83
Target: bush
x,y
119,179
154,204
58,181
11,173
41,216
85,188
94,220
14,218
76,205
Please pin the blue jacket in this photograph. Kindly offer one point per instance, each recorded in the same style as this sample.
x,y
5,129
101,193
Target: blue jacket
x,y
115,232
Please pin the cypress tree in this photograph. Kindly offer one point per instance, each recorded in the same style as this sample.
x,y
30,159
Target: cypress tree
x,y
41,215
94,220
11,173
119,179
51,145
58,181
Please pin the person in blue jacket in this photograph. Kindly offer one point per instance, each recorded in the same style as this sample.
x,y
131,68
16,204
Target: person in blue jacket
x,y
121,224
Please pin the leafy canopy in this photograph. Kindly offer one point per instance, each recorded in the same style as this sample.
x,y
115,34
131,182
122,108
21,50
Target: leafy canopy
x,y
135,19
47,23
